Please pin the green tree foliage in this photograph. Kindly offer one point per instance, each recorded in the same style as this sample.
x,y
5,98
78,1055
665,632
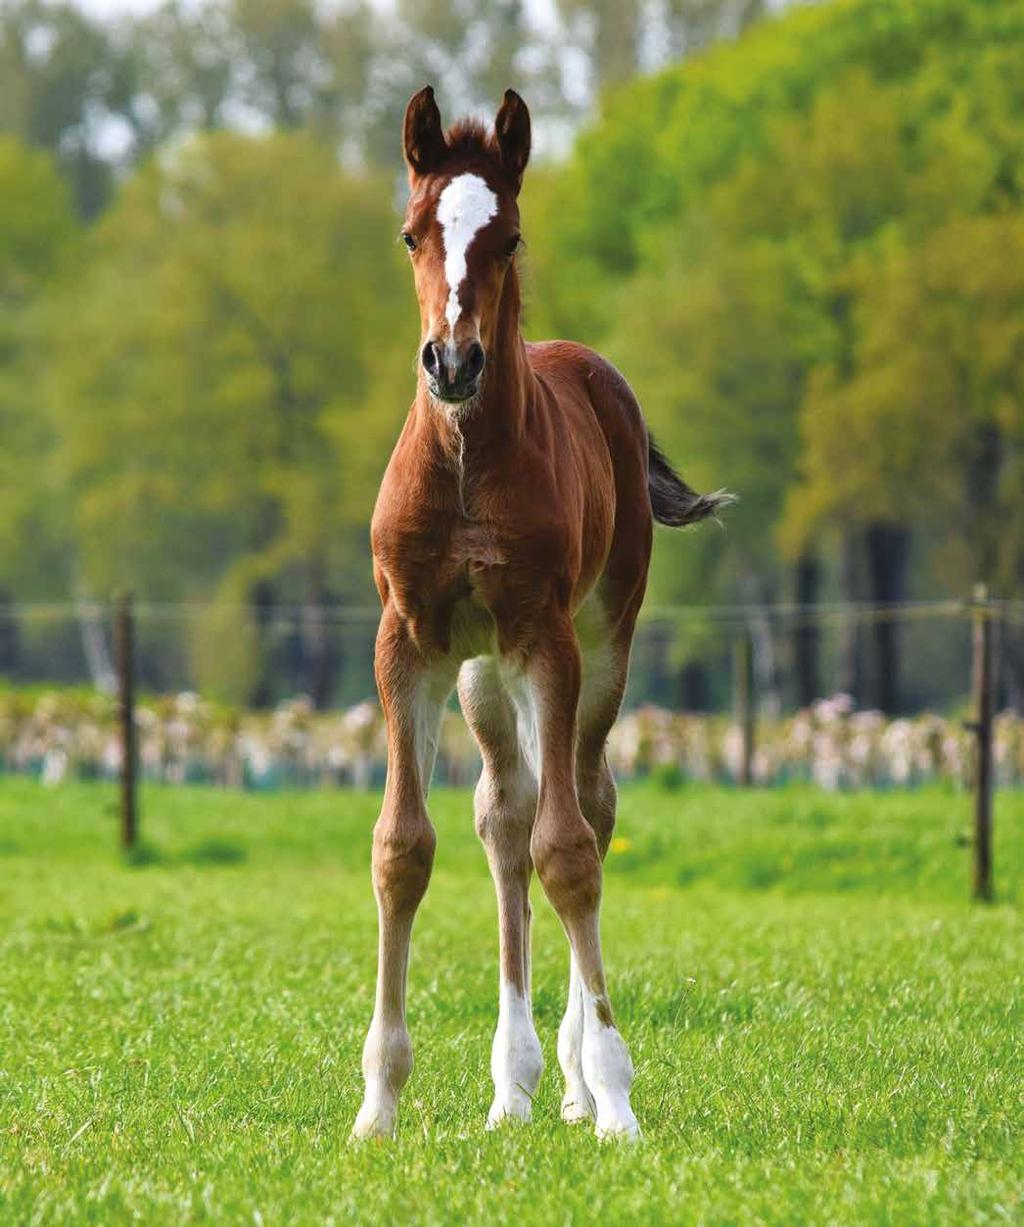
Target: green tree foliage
x,y
36,231
102,92
929,427
740,232
801,247
61,73
230,370
735,211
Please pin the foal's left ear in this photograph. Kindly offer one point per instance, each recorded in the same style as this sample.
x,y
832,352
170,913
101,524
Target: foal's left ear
x,y
512,128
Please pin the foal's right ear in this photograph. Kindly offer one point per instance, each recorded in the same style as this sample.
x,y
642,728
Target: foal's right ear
x,y
512,128
424,137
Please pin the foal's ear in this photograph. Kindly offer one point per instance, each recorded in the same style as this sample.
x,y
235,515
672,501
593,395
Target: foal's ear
x,y
512,128
424,137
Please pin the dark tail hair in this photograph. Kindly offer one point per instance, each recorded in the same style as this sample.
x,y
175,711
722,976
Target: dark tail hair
x,y
672,500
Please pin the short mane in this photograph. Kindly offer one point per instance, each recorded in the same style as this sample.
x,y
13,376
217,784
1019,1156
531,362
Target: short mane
x,y
470,137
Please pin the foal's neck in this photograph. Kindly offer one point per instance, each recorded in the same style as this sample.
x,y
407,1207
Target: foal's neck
x,y
473,435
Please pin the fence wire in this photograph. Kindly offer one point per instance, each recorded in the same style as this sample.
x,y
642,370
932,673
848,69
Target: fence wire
x,y
285,696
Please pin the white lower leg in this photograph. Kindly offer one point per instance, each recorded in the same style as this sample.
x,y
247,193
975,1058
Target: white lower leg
x,y
387,1053
516,1060
387,1064
607,1069
577,1102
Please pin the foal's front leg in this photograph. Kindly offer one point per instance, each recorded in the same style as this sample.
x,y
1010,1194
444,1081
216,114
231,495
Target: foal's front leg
x,y
412,694
568,861
504,805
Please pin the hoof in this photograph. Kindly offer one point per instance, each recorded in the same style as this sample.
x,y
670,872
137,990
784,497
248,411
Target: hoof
x,y
621,1128
374,1121
578,1106
514,1108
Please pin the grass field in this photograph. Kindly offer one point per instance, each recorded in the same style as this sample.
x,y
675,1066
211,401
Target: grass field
x,y
824,1030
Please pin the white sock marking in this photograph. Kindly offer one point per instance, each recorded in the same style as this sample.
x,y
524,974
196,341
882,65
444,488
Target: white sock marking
x,y
608,1072
516,1061
387,1062
577,1102
465,206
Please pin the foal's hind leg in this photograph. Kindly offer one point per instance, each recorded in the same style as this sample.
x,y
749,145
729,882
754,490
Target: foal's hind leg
x,y
505,804
604,680
413,696
567,854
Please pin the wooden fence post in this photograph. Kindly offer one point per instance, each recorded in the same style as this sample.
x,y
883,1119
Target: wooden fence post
x,y
124,622
743,677
981,726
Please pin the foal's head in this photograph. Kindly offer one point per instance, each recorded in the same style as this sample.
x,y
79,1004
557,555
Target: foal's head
x,y
462,231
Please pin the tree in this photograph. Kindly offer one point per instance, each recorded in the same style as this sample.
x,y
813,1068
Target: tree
x,y
930,426
717,230
36,231
226,383
62,77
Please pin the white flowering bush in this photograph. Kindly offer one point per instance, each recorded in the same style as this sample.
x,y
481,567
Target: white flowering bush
x,y
184,738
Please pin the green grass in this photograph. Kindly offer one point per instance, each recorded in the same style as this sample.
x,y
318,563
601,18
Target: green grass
x,y
824,1030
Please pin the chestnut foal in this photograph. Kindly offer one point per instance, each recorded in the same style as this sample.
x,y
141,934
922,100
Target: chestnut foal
x,y
511,542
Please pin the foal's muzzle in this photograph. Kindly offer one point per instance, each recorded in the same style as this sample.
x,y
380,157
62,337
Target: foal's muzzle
x,y
453,371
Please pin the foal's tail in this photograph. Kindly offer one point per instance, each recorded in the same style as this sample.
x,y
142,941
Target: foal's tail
x,y
672,500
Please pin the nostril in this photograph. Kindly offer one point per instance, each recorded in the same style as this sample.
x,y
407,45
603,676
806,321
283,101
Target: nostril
x,y
431,359
474,360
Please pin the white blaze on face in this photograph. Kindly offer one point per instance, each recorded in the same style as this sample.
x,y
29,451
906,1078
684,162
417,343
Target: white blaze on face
x,y
465,206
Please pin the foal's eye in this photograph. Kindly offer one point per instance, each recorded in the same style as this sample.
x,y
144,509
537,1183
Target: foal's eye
x,y
512,246
408,240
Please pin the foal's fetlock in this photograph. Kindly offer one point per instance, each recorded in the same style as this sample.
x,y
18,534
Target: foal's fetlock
x,y
376,1119
608,1071
517,1064
578,1103
509,1107
387,1064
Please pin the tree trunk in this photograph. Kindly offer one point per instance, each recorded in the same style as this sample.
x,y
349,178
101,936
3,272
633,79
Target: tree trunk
x,y
8,635
766,676
851,633
888,553
318,656
805,637
985,525
694,687
263,601
1011,658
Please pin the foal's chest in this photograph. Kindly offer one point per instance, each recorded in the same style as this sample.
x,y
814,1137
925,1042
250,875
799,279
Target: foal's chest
x,y
446,577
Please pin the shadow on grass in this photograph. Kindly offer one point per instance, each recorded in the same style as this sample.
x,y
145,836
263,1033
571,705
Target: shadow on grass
x,y
143,855
212,852
78,927
215,852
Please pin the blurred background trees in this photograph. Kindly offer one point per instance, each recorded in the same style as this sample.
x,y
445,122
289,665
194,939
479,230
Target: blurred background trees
x,y
800,235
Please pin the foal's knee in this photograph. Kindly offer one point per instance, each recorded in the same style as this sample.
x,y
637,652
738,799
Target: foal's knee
x,y
568,863
403,856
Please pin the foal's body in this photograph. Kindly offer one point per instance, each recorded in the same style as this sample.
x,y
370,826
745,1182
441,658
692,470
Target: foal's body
x,y
511,543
